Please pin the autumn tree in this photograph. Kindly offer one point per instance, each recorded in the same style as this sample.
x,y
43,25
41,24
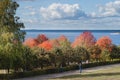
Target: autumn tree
x,y
41,38
95,53
62,38
31,42
61,49
49,44
105,43
46,45
86,40
54,42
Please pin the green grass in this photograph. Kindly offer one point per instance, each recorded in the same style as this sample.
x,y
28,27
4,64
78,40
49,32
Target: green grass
x,y
105,74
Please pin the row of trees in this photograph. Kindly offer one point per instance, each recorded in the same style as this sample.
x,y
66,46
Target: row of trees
x,y
60,52
86,40
22,57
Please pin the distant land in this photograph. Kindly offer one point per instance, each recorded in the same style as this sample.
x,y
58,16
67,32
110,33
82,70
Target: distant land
x,y
36,30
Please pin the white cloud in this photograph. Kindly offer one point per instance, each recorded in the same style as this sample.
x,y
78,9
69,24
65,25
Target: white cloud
x,y
33,13
62,11
29,8
110,9
28,11
31,21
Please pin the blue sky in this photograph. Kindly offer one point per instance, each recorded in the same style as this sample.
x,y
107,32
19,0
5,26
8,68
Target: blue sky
x,y
70,14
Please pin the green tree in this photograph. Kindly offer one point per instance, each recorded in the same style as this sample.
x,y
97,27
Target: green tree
x,y
115,53
18,57
41,57
56,56
80,54
67,51
7,48
105,55
28,59
10,33
8,21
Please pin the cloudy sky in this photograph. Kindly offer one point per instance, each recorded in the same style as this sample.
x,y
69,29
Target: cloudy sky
x,y
70,14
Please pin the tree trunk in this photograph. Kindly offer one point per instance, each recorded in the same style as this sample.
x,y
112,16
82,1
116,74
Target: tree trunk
x,y
8,74
41,66
8,71
55,64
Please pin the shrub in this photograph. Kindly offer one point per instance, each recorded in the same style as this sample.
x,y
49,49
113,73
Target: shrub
x,y
56,70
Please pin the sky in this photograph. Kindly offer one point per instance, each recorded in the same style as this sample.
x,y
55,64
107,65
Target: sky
x,y
70,14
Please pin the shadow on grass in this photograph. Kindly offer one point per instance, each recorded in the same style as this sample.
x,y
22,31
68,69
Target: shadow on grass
x,y
91,75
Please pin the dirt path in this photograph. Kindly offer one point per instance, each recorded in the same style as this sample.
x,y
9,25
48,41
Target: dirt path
x,y
46,77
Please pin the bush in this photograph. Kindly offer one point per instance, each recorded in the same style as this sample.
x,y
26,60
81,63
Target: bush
x,y
99,64
56,70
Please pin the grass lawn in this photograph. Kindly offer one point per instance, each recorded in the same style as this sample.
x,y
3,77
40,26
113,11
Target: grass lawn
x,y
105,74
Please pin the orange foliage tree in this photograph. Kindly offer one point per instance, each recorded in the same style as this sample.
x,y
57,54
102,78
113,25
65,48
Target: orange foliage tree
x,y
49,44
86,40
104,43
31,42
54,42
41,38
95,53
46,45
62,38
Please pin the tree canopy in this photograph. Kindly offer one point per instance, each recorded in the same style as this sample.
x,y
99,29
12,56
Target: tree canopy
x,y
86,40
9,23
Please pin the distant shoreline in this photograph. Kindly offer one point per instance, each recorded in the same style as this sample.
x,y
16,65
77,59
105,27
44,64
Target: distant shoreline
x,y
35,30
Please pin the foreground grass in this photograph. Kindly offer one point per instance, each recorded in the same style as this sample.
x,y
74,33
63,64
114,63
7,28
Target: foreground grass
x,y
105,74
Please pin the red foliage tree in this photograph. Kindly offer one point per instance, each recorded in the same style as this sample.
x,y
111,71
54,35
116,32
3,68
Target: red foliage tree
x,y
49,44
86,39
41,38
46,45
104,43
31,42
